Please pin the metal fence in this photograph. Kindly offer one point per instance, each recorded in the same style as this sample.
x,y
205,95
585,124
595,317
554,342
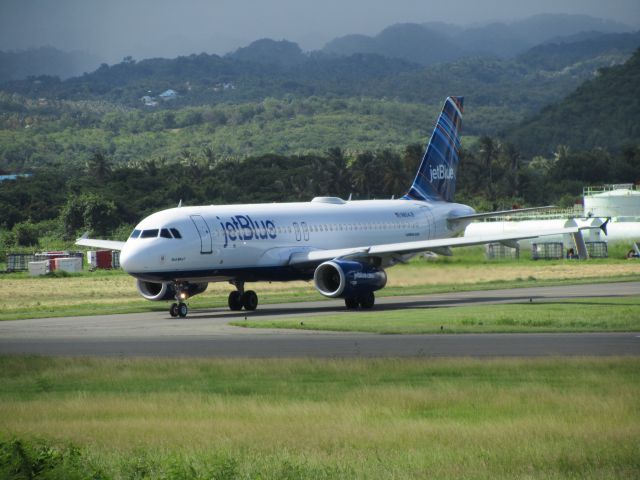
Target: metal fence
x,y
19,262
547,251
597,249
498,251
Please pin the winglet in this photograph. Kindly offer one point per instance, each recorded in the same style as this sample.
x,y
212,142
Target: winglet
x,y
603,227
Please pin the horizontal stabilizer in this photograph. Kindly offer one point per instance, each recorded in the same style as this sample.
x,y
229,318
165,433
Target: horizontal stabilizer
x,y
500,213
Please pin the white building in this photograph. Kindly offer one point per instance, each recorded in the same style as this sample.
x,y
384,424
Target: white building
x,y
620,203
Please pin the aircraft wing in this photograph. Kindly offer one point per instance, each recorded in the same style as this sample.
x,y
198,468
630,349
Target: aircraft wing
x,y
95,243
408,248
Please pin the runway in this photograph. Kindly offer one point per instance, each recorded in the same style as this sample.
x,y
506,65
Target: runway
x,y
206,333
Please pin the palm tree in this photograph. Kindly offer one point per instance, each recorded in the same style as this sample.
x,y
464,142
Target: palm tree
x,y
488,151
512,160
360,173
98,166
392,173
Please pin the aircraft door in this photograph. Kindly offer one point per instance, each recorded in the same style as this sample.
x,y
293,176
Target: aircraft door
x,y
296,227
430,228
204,232
305,231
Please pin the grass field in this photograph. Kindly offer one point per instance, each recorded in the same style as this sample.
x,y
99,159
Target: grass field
x,y
572,315
94,293
378,419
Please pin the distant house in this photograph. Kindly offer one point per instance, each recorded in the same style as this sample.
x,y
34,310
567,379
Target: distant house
x,y
13,176
168,95
148,101
218,87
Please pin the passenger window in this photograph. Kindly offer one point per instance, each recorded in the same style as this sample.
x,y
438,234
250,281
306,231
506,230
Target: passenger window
x,y
135,234
149,233
164,233
176,233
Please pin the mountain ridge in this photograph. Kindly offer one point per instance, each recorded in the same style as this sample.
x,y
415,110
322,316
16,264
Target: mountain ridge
x,y
601,113
452,42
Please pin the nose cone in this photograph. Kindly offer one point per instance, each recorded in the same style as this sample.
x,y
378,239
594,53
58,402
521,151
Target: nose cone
x,y
131,259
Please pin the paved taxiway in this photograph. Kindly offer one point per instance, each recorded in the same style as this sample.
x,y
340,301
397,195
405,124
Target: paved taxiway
x,y
207,333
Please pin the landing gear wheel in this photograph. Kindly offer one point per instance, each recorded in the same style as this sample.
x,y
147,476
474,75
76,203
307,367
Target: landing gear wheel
x,y
351,303
250,300
173,310
367,300
235,301
183,310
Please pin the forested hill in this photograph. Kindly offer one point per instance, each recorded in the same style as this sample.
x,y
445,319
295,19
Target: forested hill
x,y
210,79
603,112
16,65
436,42
268,68
575,49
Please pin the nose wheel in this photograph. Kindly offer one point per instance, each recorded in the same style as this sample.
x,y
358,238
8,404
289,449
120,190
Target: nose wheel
x,y
178,310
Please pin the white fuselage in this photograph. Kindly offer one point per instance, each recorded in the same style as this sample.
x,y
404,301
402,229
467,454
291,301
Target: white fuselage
x,y
256,241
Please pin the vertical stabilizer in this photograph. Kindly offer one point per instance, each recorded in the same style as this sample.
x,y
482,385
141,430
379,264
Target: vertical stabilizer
x,y
436,177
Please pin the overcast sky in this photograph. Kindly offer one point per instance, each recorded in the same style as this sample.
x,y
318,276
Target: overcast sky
x,y
113,29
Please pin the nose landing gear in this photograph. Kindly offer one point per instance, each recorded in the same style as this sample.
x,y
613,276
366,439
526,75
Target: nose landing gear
x,y
179,308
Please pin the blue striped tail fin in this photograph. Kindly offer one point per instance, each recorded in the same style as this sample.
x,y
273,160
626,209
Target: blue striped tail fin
x,y
436,177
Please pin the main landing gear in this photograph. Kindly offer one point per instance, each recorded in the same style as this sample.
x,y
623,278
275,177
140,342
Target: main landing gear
x,y
366,300
179,308
239,299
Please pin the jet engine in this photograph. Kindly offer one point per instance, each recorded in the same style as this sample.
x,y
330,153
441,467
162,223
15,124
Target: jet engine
x,y
344,278
166,291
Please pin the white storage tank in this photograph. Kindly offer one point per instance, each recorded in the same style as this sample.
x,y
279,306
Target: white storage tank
x,y
612,201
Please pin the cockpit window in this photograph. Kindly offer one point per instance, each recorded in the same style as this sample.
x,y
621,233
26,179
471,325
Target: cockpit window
x,y
149,233
164,233
176,233
135,234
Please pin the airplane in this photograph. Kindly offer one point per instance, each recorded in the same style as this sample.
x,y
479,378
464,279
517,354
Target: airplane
x,y
344,246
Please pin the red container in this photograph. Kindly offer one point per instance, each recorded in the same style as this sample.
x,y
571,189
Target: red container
x,y
103,259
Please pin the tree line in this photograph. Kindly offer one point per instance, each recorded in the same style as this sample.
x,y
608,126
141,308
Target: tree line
x,y
107,199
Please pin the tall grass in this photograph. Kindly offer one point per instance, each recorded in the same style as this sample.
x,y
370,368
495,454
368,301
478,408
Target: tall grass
x,y
544,418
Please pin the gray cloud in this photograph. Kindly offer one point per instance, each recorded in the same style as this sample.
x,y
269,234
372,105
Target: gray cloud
x,y
144,28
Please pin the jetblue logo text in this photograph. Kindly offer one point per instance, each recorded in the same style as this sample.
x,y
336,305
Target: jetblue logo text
x,y
442,172
243,227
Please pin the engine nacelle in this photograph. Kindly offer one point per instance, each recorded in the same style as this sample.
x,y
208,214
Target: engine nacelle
x,y
345,278
165,291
